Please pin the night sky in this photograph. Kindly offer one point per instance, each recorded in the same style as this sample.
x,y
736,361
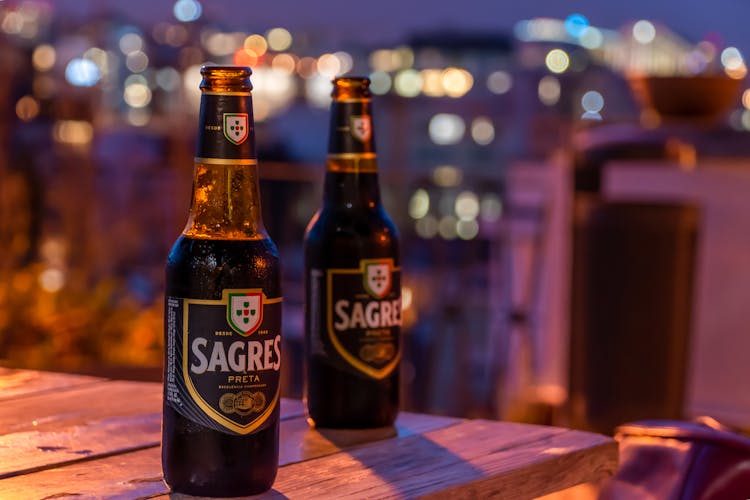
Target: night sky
x,y
390,21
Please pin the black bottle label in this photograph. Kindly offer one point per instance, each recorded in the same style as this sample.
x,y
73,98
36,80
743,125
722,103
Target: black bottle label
x,y
226,128
362,323
224,359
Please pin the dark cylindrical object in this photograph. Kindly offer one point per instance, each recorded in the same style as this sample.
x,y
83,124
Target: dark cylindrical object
x,y
353,284
632,290
222,322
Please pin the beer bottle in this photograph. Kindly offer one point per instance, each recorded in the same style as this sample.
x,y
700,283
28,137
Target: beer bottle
x,y
353,286
220,432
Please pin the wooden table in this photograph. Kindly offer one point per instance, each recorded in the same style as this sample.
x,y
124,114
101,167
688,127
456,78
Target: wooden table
x,y
76,436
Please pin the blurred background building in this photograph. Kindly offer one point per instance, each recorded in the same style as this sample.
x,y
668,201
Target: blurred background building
x,y
487,131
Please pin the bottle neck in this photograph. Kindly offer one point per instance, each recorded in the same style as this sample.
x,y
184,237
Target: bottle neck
x,y
352,166
225,201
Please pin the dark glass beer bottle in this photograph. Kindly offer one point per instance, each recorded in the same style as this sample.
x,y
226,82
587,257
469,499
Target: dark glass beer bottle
x,y
220,433
353,285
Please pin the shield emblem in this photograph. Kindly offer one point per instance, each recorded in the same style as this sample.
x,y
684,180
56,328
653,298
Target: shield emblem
x,y
235,127
245,312
361,127
377,279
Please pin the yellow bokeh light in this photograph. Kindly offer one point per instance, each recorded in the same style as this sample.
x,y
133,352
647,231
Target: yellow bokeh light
x,y
408,83
382,60
432,83
137,95
257,44
78,133
456,82
746,98
44,57
557,60
279,39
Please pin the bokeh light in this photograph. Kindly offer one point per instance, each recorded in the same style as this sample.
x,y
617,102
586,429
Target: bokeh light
x,y
644,32
482,130
456,82
467,205
187,10
549,90
279,39
137,61
447,227
426,227
168,79
592,101
329,65
591,38
447,176
499,82
257,44
82,72
446,129
576,24
557,60
432,83
130,42
467,229
27,108
408,83
490,208
137,95
419,204
286,63
380,83
43,58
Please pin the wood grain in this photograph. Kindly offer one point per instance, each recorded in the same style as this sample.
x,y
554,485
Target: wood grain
x,y
81,422
19,383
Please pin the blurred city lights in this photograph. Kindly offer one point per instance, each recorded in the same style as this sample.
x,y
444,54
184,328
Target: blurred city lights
x,y
490,208
447,227
446,129
82,72
408,83
591,38
307,67
137,95
540,29
432,83
380,83
419,204
467,205
467,229
168,79
329,65
575,25
381,60
746,120
73,132
549,90
456,82
557,60
731,58
644,32
279,39
403,57
746,98
286,63
318,90
187,10
27,108
137,61
482,130
426,227
130,42
592,101
346,62
447,176
245,57
138,117
222,44
43,58
52,280
499,82
257,44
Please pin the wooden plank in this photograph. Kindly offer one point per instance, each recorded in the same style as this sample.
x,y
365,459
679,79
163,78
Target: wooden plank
x,y
299,442
480,458
471,459
100,419
19,383
138,474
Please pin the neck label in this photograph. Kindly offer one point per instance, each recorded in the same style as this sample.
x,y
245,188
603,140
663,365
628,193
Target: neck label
x,y
226,127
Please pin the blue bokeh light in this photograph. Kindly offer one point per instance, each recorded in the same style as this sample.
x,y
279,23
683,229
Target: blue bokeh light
x,y
187,10
576,24
82,72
